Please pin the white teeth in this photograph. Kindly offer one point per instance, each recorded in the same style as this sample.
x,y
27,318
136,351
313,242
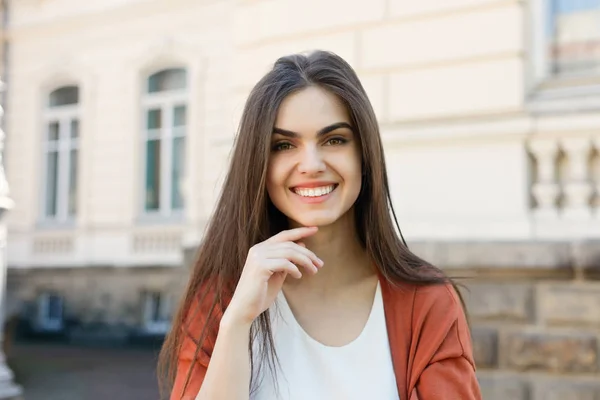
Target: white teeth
x,y
314,192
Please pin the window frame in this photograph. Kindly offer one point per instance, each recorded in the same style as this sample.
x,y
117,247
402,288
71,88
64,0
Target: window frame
x,y
44,322
163,324
63,145
166,101
546,93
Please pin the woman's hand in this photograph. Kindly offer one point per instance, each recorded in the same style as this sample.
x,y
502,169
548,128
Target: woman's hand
x,y
267,265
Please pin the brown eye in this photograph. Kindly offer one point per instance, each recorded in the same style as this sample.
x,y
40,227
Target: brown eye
x,y
336,141
281,146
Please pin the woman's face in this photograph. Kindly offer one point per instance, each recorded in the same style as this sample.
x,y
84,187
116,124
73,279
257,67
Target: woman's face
x,y
314,173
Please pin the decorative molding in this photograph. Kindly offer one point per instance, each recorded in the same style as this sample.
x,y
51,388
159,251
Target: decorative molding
x,y
167,51
61,70
521,255
156,242
53,245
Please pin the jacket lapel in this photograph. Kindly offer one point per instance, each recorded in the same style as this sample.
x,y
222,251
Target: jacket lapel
x,y
397,304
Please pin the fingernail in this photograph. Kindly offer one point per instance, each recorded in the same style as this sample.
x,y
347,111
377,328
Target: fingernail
x,y
321,262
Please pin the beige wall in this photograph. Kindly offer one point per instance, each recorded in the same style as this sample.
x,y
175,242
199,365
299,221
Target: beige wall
x,y
414,62
109,54
448,80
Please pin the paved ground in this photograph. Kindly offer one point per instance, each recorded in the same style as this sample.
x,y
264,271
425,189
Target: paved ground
x,y
60,372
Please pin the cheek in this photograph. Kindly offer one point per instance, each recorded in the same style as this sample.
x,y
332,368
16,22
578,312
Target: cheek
x,y
358,166
353,177
350,169
356,181
275,179
357,171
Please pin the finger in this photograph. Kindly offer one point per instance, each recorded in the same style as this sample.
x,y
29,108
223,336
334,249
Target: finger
x,y
284,265
278,277
295,256
301,244
302,248
292,235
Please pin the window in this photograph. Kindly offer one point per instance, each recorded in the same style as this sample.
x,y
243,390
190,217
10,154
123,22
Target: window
x,y
50,312
156,312
574,37
565,53
165,121
61,143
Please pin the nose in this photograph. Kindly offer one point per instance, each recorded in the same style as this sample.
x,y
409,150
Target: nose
x,y
311,161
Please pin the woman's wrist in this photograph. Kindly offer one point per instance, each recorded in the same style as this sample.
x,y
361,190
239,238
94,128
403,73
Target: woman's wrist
x,y
232,321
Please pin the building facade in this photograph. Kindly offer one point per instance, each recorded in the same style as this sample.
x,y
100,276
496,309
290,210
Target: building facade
x,y
120,116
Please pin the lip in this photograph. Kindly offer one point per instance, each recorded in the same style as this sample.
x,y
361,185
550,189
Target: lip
x,y
309,185
314,200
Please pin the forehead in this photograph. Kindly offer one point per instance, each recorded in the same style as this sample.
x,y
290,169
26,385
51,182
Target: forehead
x,y
309,110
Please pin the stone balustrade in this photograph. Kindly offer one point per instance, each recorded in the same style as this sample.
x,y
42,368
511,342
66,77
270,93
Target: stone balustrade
x,y
565,185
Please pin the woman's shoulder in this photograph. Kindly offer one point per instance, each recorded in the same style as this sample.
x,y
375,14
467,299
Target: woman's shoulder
x,y
434,313
423,300
442,296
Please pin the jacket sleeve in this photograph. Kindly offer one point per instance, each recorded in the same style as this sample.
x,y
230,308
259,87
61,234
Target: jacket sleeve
x,y
198,371
447,370
192,360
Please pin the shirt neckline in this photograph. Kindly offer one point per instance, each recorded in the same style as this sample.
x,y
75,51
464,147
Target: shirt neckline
x,y
287,313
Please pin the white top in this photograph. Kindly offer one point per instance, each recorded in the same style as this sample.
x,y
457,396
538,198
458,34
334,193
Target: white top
x,y
310,370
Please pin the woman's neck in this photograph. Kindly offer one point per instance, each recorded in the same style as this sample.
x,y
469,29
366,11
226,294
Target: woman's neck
x,y
345,259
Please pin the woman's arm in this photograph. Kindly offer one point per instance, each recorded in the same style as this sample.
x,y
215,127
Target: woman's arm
x,y
449,375
219,368
444,368
228,374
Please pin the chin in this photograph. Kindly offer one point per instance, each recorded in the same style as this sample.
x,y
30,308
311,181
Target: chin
x,y
314,219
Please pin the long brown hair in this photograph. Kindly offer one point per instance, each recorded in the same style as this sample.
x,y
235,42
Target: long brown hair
x,y
245,216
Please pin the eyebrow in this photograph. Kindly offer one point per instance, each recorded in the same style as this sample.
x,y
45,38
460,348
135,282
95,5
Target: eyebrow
x,y
321,132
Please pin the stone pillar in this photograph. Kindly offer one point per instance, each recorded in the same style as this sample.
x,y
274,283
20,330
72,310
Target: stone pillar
x,y
578,189
8,389
546,188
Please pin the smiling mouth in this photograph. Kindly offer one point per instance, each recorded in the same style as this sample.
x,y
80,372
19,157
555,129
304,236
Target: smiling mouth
x,y
315,192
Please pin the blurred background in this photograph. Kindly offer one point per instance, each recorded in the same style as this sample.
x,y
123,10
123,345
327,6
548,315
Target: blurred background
x,y
119,117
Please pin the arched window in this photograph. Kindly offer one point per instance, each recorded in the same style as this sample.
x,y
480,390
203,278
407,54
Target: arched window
x,y
64,96
61,144
165,120
167,80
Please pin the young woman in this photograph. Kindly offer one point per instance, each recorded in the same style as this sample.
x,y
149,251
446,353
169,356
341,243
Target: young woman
x,y
303,288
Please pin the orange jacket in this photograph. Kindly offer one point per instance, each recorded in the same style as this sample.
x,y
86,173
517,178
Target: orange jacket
x,y
429,340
